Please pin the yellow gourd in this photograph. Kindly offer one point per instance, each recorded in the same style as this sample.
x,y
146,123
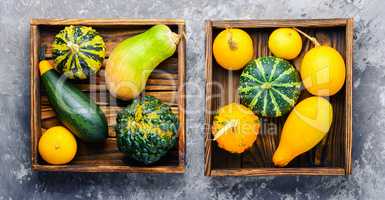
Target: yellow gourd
x,y
57,145
285,43
304,128
235,128
322,69
233,48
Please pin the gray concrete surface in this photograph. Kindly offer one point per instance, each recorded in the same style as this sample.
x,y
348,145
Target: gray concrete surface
x,y
18,182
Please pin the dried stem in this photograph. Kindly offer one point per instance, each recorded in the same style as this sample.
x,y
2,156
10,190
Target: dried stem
x,y
312,39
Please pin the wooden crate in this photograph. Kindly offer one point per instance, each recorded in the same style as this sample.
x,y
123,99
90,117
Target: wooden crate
x,y
166,83
332,156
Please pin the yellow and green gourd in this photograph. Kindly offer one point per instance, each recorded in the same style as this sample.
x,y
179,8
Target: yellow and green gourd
x,y
146,130
78,51
269,86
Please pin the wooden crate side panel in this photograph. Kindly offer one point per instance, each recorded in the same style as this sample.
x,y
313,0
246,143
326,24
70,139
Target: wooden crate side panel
x,y
349,95
208,94
280,172
35,100
275,23
108,168
182,94
105,22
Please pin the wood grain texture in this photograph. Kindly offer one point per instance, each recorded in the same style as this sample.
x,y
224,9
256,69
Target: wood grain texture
x,y
35,101
332,156
105,22
279,172
208,95
349,91
274,23
181,95
167,82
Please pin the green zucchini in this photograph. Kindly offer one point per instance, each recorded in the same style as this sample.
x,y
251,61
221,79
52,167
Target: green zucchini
x,y
73,108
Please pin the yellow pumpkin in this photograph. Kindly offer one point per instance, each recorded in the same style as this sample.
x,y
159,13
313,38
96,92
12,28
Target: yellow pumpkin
x,y
235,128
306,125
233,48
323,71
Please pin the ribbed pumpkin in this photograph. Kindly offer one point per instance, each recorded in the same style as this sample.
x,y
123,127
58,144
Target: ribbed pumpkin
x,y
78,51
235,128
269,86
146,129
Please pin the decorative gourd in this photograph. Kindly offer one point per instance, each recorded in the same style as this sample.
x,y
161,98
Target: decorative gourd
x,y
78,51
146,129
269,86
285,43
132,61
233,48
235,128
304,128
322,69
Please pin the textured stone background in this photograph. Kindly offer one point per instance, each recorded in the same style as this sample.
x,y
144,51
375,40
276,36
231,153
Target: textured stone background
x,y
18,182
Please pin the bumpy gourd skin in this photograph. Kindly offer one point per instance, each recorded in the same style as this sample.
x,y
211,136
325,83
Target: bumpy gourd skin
x,y
240,137
146,129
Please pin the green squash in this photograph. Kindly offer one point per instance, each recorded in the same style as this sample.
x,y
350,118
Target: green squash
x,y
73,108
146,130
78,51
269,86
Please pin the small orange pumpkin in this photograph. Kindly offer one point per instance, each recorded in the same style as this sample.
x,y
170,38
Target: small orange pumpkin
x,y
235,128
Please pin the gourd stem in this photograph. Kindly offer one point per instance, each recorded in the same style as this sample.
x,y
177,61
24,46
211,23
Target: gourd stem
x,y
230,124
175,38
312,39
233,45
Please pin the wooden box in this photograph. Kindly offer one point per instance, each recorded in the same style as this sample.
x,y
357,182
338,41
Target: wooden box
x,y
332,156
165,83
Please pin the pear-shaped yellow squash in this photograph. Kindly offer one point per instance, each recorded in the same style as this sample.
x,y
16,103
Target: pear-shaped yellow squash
x,y
304,128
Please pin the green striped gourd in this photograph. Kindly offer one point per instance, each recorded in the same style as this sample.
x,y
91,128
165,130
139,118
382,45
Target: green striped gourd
x,y
78,51
269,86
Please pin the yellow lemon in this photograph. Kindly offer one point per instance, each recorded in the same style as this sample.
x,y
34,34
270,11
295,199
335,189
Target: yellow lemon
x,y
285,43
57,145
233,49
323,71
235,128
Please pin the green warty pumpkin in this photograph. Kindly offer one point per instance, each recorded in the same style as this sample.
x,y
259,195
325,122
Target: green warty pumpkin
x,y
78,51
146,129
269,86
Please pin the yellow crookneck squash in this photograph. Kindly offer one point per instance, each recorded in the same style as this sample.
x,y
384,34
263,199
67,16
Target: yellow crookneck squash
x,y
235,128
